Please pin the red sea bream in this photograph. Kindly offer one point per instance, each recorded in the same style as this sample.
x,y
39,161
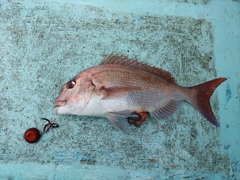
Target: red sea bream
x,y
127,91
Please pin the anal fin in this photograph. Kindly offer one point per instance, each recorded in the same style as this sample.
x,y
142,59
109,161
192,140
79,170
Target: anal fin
x,y
166,111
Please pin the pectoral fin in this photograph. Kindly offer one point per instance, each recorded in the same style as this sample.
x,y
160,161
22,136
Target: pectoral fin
x,y
116,91
119,119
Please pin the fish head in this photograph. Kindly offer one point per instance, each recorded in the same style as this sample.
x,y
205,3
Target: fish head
x,y
74,96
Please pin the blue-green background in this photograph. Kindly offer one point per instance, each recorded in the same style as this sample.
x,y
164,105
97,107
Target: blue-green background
x,y
45,43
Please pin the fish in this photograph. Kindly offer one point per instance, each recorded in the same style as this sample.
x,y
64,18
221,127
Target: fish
x,y
127,91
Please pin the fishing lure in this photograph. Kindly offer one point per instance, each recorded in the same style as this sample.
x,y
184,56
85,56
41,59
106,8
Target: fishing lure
x,y
32,135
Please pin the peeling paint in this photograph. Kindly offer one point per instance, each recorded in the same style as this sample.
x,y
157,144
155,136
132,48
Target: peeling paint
x,y
228,93
196,2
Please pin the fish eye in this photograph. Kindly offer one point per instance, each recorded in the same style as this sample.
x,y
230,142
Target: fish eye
x,y
71,84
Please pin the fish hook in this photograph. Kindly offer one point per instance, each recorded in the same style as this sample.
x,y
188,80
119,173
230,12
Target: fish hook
x,y
51,124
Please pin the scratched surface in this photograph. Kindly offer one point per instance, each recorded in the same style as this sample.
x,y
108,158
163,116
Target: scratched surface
x,y
43,45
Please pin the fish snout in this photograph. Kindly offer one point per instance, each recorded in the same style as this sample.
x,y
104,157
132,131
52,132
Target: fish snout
x,y
59,103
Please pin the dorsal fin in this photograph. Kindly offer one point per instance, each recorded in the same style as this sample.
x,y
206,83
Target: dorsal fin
x,y
125,61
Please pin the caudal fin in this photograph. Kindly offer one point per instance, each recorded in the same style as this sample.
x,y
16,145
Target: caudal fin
x,y
203,93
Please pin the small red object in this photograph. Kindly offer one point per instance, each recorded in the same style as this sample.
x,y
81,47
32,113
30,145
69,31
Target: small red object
x,y
32,135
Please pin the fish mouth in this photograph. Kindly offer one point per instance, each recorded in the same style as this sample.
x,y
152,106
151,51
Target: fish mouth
x,y
59,103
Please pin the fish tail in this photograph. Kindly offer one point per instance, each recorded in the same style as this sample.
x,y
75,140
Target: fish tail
x,y
201,101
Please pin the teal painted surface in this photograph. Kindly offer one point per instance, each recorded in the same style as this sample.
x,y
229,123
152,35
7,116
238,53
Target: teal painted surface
x,y
44,44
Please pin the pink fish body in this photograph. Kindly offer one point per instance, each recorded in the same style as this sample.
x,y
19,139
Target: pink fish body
x,y
126,91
